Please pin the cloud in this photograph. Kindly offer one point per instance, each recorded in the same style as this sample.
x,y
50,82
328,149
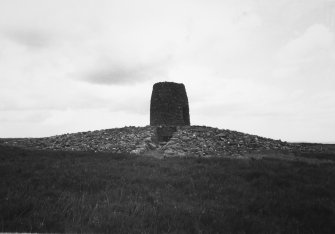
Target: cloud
x,y
30,38
111,73
305,47
117,75
30,116
308,58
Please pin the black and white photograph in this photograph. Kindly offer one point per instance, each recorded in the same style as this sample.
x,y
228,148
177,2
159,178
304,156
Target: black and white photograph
x,y
156,116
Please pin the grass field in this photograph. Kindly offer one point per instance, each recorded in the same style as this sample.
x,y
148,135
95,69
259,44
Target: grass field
x,y
113,193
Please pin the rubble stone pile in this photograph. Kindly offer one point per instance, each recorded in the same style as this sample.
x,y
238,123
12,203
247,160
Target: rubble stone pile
x,y
117,140
206,141
199,141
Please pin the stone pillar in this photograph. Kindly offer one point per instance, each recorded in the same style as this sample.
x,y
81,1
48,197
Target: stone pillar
x,y
169,105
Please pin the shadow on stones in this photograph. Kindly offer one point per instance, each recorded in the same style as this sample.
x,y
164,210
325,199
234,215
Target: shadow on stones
x,y
164,133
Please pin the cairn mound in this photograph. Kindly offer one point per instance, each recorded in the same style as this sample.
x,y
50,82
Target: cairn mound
x,y
198,141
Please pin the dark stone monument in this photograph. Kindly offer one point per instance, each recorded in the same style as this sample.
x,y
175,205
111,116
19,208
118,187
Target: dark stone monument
x,y
168,109
169,105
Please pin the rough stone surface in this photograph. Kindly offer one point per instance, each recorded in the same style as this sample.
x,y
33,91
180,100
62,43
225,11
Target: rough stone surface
x,y
169,105
118,140
164,133
204,141
198,141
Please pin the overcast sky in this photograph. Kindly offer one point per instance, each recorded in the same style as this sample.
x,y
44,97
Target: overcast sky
x,y
264,67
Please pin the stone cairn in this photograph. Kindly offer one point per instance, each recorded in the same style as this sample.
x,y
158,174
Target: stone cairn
x,y
195,141
169,134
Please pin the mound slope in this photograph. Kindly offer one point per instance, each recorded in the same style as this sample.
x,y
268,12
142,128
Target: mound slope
x,y
186,141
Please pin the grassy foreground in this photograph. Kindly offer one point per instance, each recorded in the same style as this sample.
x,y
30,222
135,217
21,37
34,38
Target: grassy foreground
x,y
109,193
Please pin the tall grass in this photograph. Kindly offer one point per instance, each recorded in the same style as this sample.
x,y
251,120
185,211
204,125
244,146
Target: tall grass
x,y
113,193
